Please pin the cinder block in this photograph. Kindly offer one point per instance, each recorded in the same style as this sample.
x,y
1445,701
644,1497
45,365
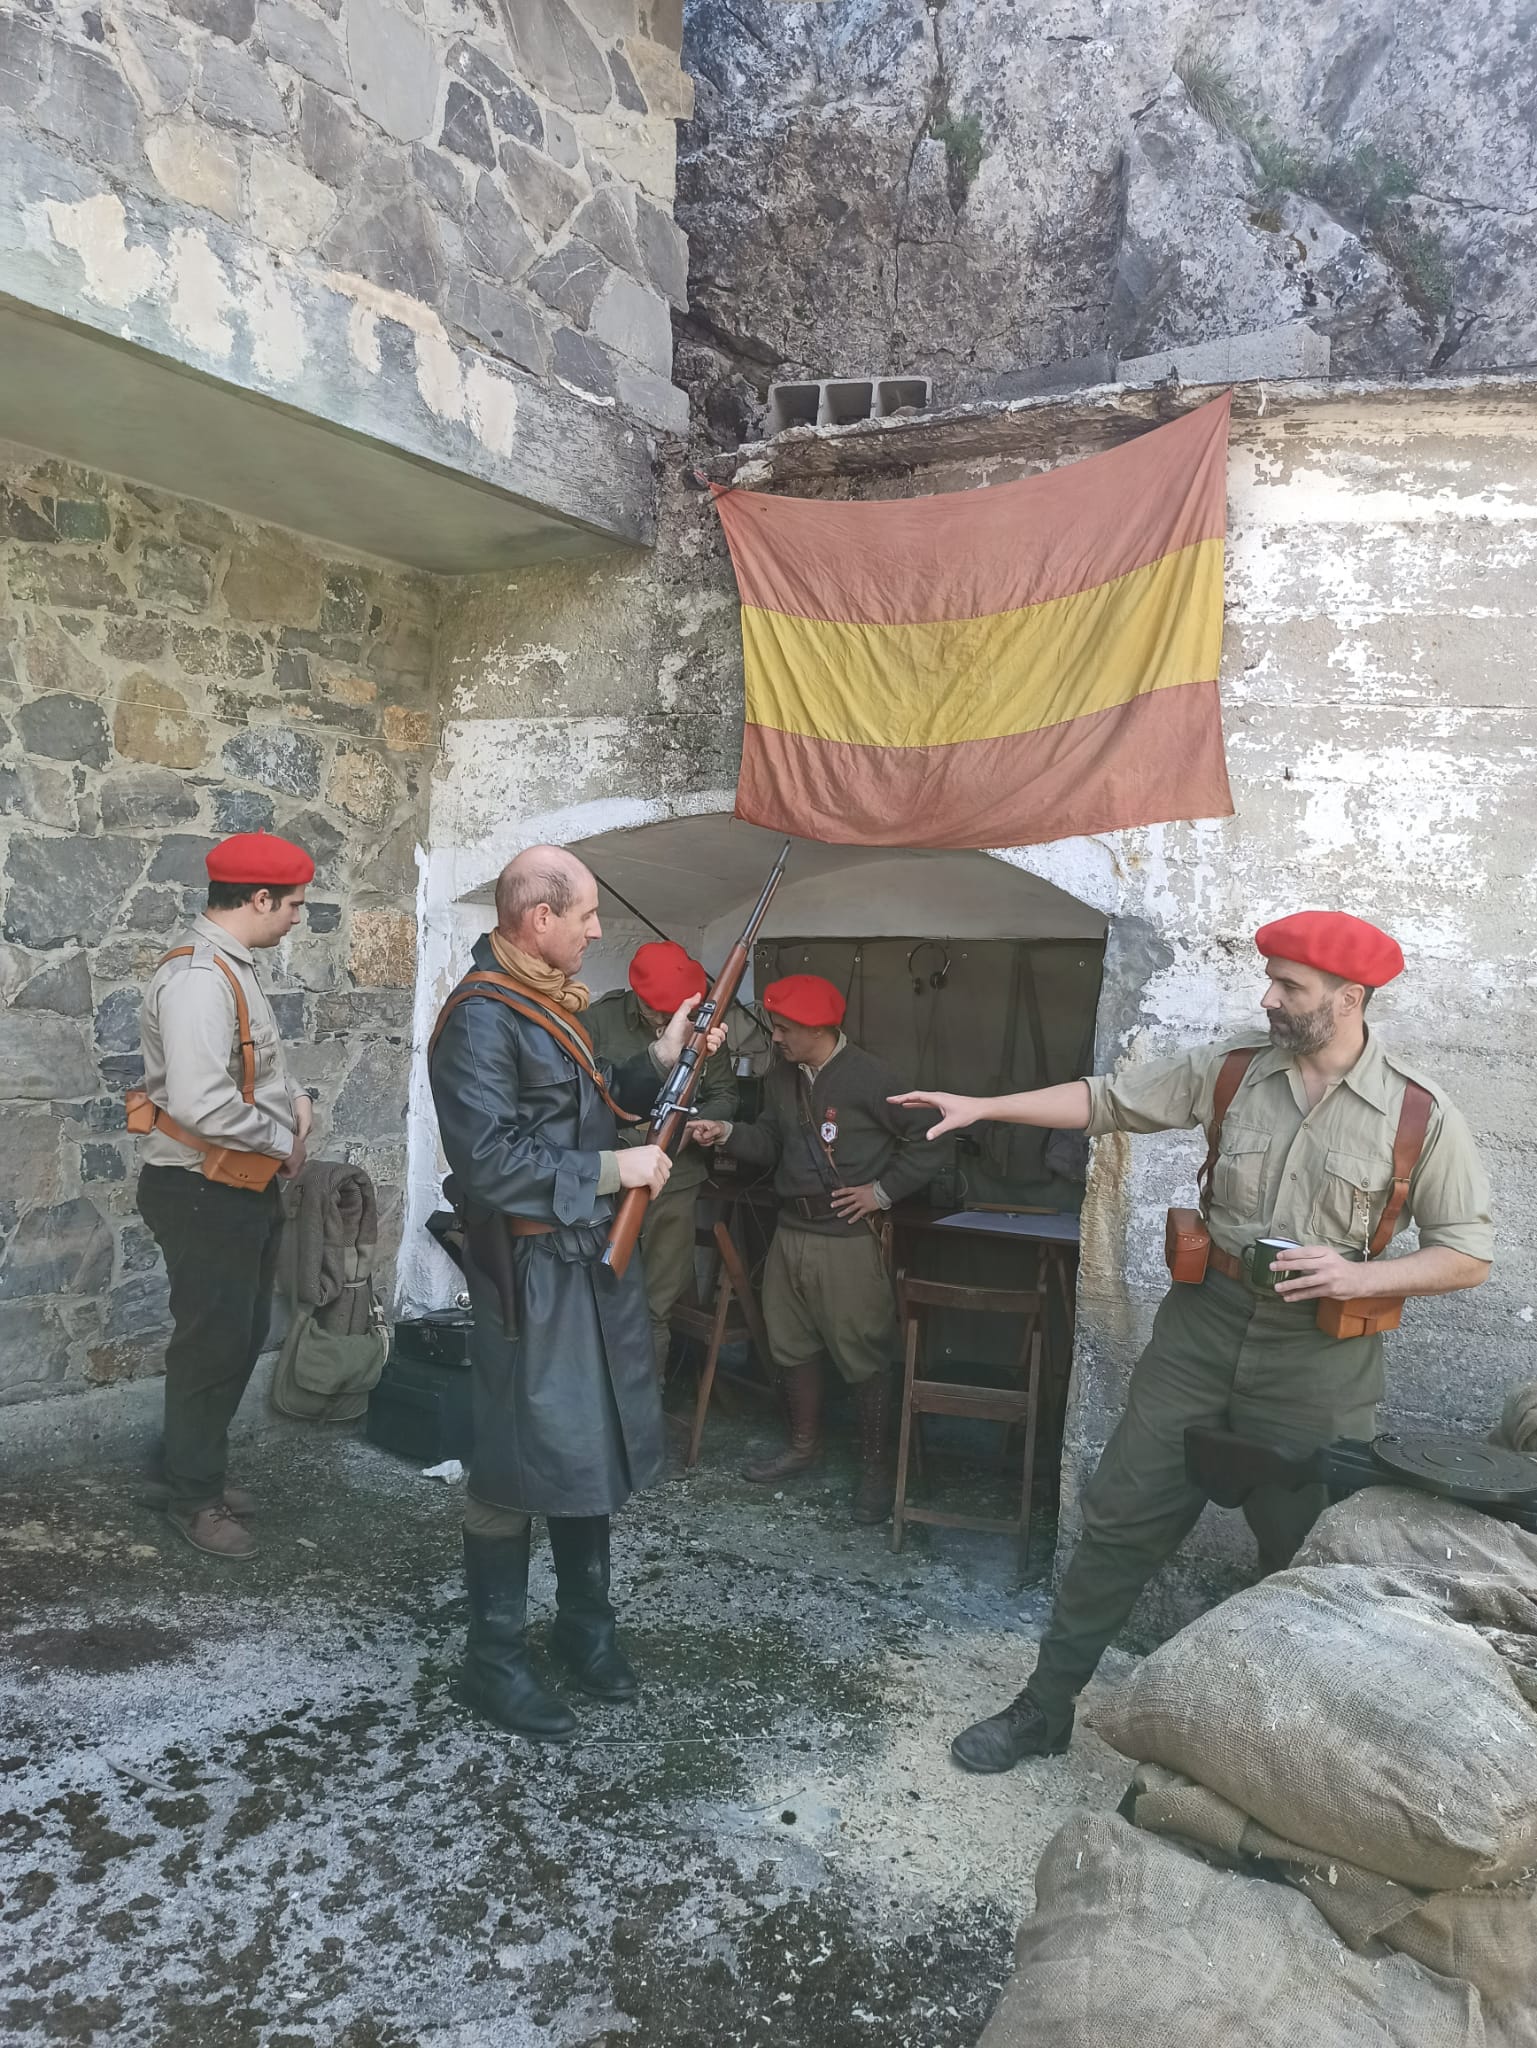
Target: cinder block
x,y
835,401
1048,380
1290,351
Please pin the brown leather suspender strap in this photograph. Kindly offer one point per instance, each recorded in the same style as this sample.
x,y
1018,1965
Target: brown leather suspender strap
x,y
242,1023
568,1034
1408,1144
1229,1074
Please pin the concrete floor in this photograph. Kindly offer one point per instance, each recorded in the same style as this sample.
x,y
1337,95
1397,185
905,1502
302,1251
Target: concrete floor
x,y
241,1808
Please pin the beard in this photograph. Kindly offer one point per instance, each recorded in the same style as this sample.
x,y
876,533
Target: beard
x,y
1310,1031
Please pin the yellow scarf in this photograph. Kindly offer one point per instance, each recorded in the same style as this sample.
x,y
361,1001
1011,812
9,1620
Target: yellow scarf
x,y
538,975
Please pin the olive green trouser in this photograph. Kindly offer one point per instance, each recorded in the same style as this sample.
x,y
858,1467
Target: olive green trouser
x,y
829,1297
667,1255
1225,1358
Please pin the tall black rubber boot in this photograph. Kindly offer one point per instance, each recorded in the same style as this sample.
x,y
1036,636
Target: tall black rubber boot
x,y
584,1636
497,1678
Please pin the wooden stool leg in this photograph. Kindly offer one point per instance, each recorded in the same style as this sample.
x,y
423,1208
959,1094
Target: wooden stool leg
x,y
1033,1384
741,1287
707,1373
910,1362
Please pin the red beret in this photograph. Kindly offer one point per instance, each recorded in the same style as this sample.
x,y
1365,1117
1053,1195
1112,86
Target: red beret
x,y
1334,943
805,999
260,857
664,976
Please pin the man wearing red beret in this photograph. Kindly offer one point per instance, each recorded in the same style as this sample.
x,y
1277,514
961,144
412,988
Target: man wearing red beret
x,y
628,1022
841,1155
1308,1130
216,1082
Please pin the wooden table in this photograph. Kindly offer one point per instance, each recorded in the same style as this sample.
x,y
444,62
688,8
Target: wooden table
x,y
1056,1234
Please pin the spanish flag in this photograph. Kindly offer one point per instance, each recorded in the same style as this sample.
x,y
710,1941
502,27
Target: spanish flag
x,y
994,667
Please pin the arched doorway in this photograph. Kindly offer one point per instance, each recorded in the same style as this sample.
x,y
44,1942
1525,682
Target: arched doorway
x,y
963,970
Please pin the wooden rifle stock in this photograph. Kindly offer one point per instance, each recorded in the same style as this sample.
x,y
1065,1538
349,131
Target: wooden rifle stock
x,y
670,1115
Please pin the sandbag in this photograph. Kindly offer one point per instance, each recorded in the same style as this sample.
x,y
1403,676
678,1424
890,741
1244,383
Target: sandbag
x,y
1487,1936
1137,1943
1394,1525
1517,1429
1349,1719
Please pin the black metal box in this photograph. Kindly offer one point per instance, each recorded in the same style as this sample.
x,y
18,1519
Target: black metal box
x,y
421,1407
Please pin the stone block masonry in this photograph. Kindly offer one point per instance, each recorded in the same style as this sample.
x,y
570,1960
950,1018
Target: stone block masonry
x,y
466,161
169,675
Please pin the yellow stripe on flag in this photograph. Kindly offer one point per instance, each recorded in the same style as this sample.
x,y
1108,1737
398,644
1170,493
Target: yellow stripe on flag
x,y
938,683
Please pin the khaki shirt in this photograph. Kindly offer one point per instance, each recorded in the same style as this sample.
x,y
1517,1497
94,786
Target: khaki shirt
x,y
1316,1176
192,1065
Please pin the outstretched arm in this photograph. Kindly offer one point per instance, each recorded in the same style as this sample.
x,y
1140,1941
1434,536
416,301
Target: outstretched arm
x,y
1064,1108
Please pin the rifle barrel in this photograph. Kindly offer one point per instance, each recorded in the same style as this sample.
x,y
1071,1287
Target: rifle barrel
x,y
629,1216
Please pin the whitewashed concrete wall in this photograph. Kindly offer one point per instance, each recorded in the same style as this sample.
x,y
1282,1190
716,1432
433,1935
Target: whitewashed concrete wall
x,y
1381,734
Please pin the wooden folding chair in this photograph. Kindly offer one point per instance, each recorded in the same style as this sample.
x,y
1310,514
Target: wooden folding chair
x,y
732,1316
1010,1406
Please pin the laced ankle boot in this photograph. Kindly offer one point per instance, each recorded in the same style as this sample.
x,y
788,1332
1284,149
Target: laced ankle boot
x,y
1001,1741
803,1397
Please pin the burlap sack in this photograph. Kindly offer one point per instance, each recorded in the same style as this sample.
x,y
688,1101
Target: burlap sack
x,y
1517,1429
1347,1719
1136,1943
1392,1525
1486,1936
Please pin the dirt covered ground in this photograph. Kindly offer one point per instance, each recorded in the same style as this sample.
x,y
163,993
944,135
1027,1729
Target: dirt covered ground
x,y
240,1807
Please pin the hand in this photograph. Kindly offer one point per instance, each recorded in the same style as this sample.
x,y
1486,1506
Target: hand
x,y
681,1029
644,1166
955,1111
854,1204
293,1165
706,1134
1319,1274
304,1117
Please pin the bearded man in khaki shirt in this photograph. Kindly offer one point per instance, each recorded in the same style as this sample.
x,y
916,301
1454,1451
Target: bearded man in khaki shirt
x,y
1305,1153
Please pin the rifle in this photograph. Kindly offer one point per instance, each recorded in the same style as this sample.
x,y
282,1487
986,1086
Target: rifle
x,y
671,1112
1503,1483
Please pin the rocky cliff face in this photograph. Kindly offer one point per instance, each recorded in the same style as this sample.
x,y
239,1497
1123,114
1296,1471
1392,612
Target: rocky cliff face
x,y
968,188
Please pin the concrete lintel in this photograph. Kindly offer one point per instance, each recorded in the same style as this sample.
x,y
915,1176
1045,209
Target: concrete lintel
x,y
1049,425
158,344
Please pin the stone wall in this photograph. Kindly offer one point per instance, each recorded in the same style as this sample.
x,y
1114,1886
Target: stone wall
x,y
500,177
167,676
970,189
1380,721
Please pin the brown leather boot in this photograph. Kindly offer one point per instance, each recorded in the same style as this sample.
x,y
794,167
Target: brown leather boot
x,y
214,1531
803,1395
877,1482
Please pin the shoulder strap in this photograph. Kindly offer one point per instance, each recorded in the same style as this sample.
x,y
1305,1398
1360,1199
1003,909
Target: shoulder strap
x,y
1408,1144
568,1034
1229,1074
242,1018
818,1146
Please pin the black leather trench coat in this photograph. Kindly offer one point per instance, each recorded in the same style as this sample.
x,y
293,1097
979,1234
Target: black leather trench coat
x,y
567,1416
